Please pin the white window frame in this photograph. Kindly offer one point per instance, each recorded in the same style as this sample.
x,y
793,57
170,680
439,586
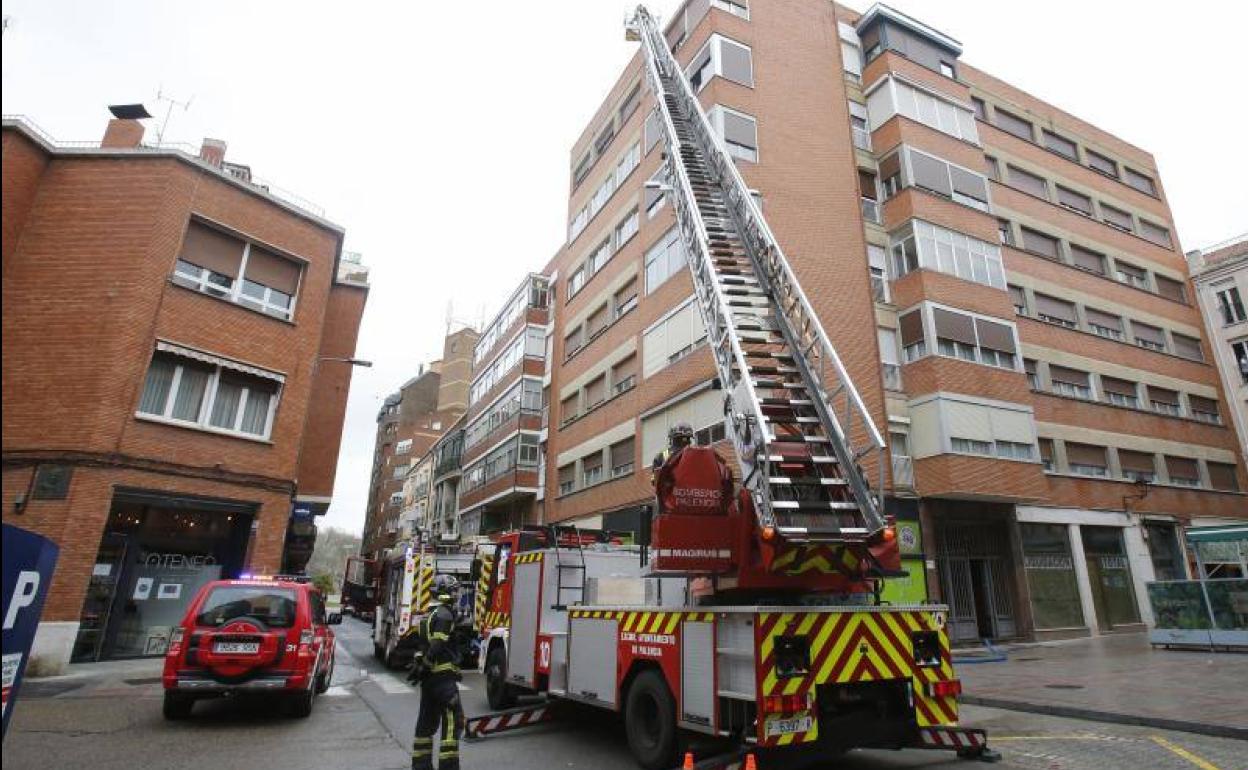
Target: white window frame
x,y
739,9
919,349
966,131
716,117
994,266
669,240
715,64
234,292
203,419
908,180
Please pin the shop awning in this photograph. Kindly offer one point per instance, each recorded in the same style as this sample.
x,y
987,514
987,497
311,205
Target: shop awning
x,y
227,363
1222,534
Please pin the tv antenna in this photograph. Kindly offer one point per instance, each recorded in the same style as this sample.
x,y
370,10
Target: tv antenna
x,y
171,102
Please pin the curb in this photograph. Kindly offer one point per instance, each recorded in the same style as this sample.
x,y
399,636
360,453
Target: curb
x,y
1074,712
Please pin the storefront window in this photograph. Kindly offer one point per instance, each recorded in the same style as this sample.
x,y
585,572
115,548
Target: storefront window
x,y
1163,548
1051,576
1109,573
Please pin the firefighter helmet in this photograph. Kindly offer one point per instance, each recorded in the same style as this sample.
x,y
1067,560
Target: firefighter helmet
x,y
444,588
681,434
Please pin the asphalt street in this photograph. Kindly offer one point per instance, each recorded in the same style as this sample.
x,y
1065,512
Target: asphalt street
x,y
366,720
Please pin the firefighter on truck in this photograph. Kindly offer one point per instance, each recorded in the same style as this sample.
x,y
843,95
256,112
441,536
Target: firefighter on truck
x,y
436,669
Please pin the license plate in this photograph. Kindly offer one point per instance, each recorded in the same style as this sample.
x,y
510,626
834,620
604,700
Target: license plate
x,y
237,648
776,726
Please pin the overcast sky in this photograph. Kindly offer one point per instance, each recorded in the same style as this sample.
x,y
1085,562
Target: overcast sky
x,y
437,134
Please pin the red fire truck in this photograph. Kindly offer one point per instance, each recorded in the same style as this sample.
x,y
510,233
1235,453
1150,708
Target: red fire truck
x,y
752,608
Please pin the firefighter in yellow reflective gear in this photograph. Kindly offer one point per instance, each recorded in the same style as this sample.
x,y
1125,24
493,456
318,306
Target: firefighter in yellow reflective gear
x,y
679,437
436,667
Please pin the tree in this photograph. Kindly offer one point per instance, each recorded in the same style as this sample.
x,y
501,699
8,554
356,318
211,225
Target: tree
x,y
327,583
333,546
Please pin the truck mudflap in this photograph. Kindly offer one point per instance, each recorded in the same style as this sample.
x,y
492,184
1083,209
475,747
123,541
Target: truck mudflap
x,y
805,657
511,719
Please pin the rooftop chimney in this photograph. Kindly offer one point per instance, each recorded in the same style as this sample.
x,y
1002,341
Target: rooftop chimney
x,y
213,151
125,130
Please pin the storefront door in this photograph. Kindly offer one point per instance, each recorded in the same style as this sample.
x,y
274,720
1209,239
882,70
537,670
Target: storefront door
x,y
1109,573
154,556
973,559
1163,549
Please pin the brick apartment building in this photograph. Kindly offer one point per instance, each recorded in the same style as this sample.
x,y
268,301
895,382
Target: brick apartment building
x,y
177,355
1001,279
408,423
1220,280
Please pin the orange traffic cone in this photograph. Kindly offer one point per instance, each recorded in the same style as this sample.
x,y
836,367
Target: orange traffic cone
x,y
750,764
688,765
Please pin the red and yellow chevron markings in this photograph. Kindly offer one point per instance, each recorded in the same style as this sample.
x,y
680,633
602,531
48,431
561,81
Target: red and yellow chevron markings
x,y
825,559
497,620
850,647
481,599
528,557
644,622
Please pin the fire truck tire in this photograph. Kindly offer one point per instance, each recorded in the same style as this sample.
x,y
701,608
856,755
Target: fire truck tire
x,y
650,721
177,706
500,694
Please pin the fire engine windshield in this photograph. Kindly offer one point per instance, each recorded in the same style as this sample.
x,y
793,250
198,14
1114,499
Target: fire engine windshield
x,y
274,606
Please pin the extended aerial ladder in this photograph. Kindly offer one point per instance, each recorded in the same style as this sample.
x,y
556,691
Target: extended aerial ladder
x,y
801,431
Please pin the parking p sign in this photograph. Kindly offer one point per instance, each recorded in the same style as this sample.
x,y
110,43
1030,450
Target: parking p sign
x,y
28,563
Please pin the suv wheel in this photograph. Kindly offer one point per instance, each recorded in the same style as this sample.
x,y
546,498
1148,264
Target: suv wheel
x,y
322,681
177,706
300,703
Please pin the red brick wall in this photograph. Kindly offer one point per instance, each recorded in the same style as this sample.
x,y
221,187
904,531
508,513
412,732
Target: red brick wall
x,y
23,163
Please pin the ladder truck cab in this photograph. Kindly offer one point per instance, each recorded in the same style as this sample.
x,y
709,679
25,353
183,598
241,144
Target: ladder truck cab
x,y
751,610
405,585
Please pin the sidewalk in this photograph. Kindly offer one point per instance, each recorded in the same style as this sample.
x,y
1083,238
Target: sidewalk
x,y
1117,679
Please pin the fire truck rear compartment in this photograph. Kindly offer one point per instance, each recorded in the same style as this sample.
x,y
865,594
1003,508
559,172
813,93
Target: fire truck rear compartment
x,y
859,714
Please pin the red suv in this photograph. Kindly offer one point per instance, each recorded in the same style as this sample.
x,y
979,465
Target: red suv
x,y
258,635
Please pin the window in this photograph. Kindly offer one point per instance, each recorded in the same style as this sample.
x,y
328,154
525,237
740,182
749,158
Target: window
x,y
629,161
1184,471
672,338
738,131
1012,124
913,342
890,175
974,339
1130,275
1240,349
1086,259
1056,311
1014,450
851,61
922,244
626,229
1150,337
710,434
591,469
1170,288
1005,232
981,109
896,97
603,141
530,451
1222,476
734,7
624,376
1137,466
946,69
597,321
1187,347
938,176
1028,182
968,446
508,359
1104,324
212,262
1231,306
652,131
1041,244
653,194
1070,382
1204,409
1141,182
1050,572
623,455
1060,145
595,392
630,104
994,168
574,342
858,126
723,57
1033,379
869,198
400,470
567,479
877,262
1164,401
1019,299
888,358
403,447
569,408
1086,459
664,259
1104,165
1046,453
576,281
1075,201
582,169
216,397
1120,392
1155,233
1117,218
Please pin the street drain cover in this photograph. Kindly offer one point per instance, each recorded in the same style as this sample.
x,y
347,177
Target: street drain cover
x,y
143,680
1064,686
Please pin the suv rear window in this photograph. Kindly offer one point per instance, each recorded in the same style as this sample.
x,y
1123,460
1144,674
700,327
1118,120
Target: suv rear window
x,y
274,606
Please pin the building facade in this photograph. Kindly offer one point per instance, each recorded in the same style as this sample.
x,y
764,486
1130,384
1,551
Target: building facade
x,y
1220,280
408,423
1001,279
178,350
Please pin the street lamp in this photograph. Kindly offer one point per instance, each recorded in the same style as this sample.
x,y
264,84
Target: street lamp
x,y
352,361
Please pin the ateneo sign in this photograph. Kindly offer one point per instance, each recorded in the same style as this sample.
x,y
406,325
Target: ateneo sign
x,y
28,563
